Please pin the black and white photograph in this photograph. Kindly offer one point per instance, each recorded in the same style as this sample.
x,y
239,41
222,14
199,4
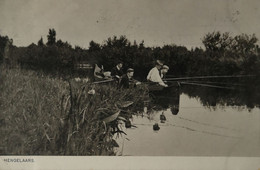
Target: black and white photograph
x,y
129,81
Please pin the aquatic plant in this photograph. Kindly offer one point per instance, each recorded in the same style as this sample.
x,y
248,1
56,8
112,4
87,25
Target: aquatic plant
x,y
41,115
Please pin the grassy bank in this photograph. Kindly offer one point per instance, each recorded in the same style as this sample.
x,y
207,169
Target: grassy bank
x,y
42,116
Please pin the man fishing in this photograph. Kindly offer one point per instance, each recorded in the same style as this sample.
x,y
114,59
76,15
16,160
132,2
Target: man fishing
x,y
164,71
117,72
154,74
127,79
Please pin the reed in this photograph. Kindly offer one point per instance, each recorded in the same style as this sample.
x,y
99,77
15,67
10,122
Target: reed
x,y
41,115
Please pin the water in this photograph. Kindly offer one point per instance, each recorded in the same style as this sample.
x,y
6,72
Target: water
x,y
193,127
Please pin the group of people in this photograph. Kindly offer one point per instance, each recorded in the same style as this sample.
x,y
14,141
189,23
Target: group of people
x,y
155,75
124,80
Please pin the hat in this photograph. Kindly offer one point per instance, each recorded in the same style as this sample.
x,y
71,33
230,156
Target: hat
x,y
130,70
159,62
119,62
165,67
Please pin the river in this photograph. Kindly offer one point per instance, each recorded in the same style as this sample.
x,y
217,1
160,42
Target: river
x,y
193,127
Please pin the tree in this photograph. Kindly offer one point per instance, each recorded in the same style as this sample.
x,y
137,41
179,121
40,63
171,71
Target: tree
x,y
51,37
224,43
94,46
78,48
62,44
40,42
122,41
5,44
218,42
245,44
141,45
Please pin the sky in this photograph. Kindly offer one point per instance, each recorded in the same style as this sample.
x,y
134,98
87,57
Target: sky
x,y
157,22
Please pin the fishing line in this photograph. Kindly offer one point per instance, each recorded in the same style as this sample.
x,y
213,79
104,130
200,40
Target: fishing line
x,y
208,85
210,82
207,124
205,77
190,129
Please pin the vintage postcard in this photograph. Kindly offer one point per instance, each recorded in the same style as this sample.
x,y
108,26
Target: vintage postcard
x,y
129,84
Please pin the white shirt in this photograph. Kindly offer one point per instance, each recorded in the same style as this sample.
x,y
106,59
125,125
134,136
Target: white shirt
x,y
154,76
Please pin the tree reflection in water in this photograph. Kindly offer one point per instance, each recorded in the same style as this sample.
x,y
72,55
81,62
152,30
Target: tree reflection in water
x,y
247,95
169,98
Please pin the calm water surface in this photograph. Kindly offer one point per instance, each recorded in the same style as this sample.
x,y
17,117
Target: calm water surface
x,y
194,130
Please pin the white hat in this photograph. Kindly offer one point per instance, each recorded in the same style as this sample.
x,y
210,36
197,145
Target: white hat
x,y
165,67
159,62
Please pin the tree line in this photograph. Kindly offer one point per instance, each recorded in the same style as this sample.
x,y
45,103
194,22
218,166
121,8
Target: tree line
x,y
223,55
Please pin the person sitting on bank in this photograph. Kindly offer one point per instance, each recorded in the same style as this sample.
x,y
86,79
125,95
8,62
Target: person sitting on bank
x,y
164,71
99,73
127,79
117,72
154,74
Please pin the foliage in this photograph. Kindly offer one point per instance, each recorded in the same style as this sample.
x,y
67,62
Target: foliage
x,y
51,37
40,42
30,111
223,55
5,44
41,115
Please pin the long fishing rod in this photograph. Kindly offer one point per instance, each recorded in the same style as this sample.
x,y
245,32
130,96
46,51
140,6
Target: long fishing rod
x,y
207,85
181,78
211,82
205,77
103,81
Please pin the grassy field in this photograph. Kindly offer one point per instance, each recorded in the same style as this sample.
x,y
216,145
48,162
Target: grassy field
x,y
40,115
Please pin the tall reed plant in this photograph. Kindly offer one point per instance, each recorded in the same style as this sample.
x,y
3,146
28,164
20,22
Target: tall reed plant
x,y
41,115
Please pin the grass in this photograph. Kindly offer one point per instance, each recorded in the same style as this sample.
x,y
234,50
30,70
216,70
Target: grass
x,y
41,115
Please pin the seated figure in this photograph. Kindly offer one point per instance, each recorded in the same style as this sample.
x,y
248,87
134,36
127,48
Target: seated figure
x,y
100,74
127,79
154,74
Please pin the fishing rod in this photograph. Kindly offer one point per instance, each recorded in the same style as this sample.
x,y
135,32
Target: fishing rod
x,y
206,77
211,82
183,78
103,81
208,85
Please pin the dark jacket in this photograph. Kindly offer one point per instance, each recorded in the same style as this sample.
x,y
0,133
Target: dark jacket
x,y
125,82
116,72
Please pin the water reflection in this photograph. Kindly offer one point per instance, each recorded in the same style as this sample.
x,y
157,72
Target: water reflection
x,y
196,121
169,98
195,131
211,97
